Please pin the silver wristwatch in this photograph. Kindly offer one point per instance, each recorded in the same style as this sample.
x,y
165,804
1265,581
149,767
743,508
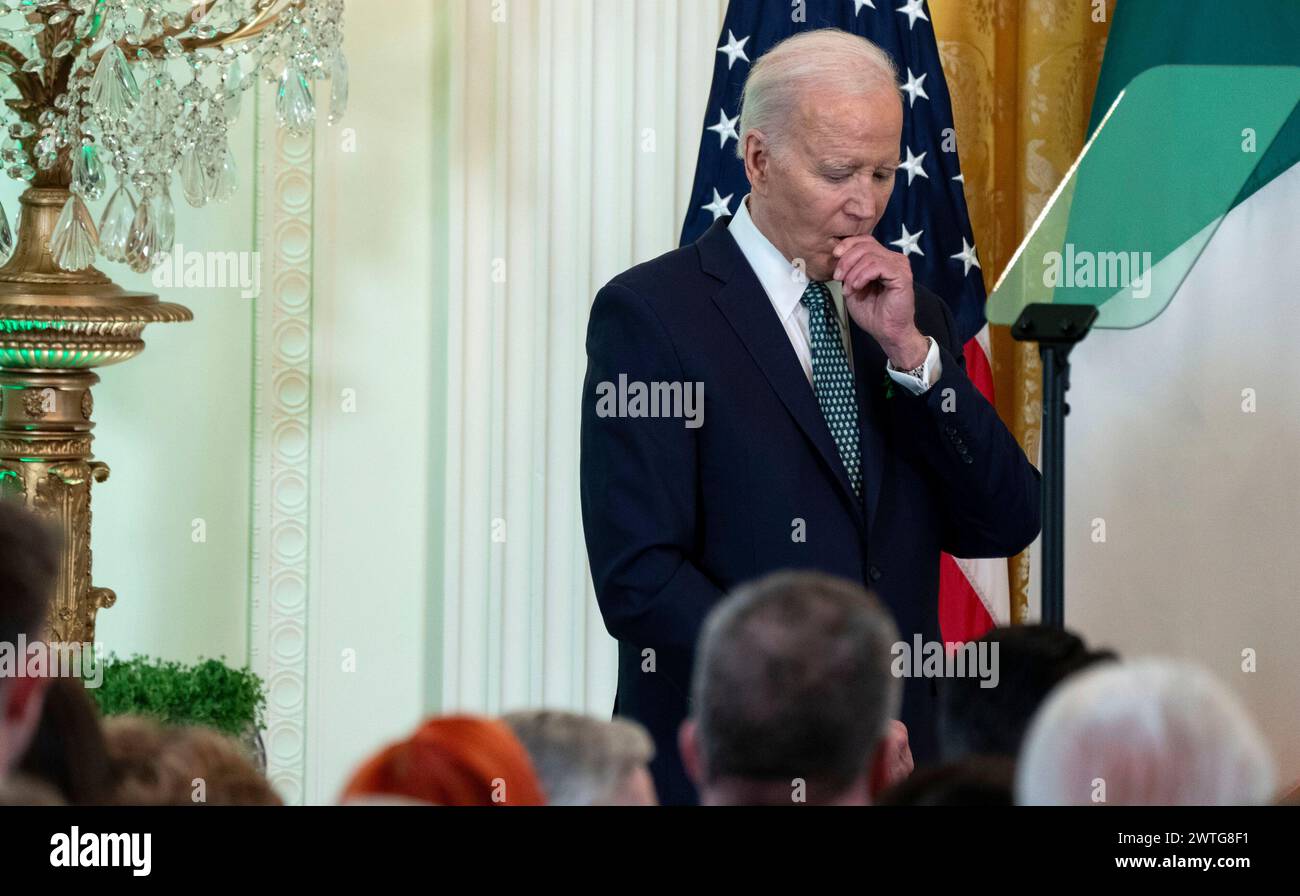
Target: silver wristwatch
x,y
915,372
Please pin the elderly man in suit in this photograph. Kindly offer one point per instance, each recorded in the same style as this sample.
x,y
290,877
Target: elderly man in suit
x,y
837,430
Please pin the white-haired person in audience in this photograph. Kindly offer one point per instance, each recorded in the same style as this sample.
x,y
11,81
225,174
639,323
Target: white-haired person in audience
x,y
583,761
1148,733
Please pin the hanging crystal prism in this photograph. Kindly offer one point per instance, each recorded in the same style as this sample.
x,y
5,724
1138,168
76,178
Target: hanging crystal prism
x,y
114,88
87,23
164,218
293,102
338,88
115,225
72,244
222,184
88,173
231,88
142,242
6,235
194,180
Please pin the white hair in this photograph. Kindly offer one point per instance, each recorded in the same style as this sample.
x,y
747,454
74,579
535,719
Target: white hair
x,y
1149,733
827,59
581,761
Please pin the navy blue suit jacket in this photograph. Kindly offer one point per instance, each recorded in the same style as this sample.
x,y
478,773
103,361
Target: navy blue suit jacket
x,y
675,516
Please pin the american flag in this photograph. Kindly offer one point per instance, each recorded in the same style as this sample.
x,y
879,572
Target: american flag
x,y
926,217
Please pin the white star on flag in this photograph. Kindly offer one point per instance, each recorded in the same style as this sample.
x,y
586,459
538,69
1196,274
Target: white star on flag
x,y
913,88
734,49
907,243
912,9
967,257
726,127
913,166
961,179
858,4
719,206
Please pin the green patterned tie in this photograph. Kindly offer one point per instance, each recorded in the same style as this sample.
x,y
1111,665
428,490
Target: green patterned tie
x,y
832,378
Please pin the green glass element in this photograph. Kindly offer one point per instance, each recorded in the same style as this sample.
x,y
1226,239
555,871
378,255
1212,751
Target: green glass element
x,y
8,325
11,485
1171,158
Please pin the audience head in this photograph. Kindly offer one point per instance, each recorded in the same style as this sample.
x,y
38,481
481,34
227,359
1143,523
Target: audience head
x,y
792,694
20,790
28,569
69,751
1147,733
164,765
583,761
452,761
1031,661
973,781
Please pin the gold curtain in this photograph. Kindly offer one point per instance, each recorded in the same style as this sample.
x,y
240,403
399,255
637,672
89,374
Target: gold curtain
x,y
1021,74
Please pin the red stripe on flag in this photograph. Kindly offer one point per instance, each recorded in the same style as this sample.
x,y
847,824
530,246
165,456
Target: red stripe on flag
x,y
962,615
978,369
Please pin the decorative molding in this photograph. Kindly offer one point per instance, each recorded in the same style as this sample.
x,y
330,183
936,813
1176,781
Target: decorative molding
x,y
281,426
72,448
34,403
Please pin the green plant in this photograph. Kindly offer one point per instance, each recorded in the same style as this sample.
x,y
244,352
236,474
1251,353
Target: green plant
x,y
207,693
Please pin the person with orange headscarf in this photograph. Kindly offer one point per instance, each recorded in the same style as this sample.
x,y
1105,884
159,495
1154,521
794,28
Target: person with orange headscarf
x,y
451,761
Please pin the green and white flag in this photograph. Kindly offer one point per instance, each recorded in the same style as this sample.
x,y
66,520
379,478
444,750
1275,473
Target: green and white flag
x,y
1183,441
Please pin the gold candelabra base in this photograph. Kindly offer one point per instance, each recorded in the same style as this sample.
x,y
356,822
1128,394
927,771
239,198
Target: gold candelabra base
x,y
55,326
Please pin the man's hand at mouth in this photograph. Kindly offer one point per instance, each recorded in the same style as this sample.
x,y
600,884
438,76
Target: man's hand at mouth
x,y
879,296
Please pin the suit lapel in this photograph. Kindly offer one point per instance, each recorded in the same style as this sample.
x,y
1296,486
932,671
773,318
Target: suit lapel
x,y
744,303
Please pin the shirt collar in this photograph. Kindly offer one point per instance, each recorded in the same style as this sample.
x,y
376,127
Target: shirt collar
x,y
781,280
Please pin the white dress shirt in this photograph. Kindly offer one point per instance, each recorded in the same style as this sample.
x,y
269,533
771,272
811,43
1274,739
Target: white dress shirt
x,y
784,284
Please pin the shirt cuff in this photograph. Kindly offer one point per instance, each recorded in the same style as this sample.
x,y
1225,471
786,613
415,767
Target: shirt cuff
x,y
932,369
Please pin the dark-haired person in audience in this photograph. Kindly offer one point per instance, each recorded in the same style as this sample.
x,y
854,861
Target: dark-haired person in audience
x,y
991,721
793,697
68,751
974,781
28,566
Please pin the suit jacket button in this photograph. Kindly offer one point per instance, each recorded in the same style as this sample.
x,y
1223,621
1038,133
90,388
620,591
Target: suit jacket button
x,y
875,574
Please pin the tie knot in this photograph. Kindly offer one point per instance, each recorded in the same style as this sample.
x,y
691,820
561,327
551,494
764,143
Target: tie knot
x,y
815,295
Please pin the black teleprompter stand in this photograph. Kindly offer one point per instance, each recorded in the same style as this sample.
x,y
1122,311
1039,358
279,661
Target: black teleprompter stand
x,y
1057,329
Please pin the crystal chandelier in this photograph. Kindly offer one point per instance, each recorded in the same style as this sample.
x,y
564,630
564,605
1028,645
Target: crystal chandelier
x,y
117,101
148,90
